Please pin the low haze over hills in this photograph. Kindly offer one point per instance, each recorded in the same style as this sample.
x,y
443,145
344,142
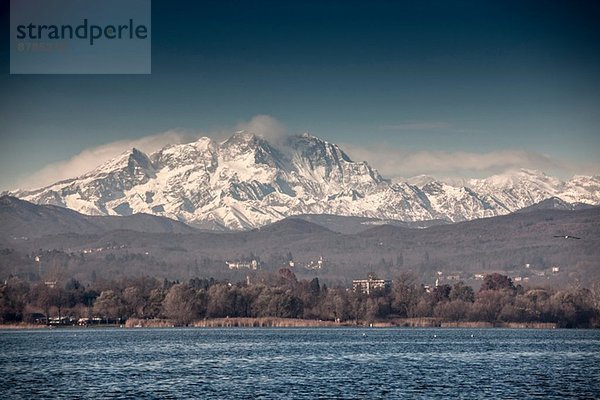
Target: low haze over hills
x,y
52,242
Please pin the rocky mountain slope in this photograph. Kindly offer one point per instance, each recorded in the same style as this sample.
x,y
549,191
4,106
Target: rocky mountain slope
x,y
246,182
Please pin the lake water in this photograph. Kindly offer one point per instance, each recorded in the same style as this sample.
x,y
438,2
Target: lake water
x,y
299,363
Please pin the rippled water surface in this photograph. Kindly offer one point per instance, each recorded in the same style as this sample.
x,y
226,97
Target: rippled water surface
x,y
299,363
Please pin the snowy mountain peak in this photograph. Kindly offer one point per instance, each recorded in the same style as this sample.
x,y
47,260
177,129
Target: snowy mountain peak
x,y
511,178
128,159
240,137
421,180
247,181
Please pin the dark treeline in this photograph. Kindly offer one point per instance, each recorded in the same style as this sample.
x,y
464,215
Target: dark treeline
x,y
282,295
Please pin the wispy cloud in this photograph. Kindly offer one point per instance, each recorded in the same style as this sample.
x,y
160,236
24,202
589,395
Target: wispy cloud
x,y
417,126
264,126
428,126
391,162
88,159
397,164
91,158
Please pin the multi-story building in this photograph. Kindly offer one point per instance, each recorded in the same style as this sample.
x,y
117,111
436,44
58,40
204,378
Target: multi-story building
x,y
370,284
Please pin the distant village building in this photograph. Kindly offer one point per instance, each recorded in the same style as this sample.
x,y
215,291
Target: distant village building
x,y
313,265
555,270
478,277
61,321
370,284
242,265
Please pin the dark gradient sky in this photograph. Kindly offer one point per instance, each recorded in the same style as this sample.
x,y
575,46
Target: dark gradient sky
x,y
473,76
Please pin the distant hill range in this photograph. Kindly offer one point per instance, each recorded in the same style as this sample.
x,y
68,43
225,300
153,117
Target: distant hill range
x,y
349,225
555,203
246,182
71,244
21,218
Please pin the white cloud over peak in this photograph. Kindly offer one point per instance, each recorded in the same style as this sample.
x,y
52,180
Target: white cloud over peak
x,y
264,126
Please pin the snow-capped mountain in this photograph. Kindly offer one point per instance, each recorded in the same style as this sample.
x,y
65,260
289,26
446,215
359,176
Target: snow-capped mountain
x,y
246,182
523,188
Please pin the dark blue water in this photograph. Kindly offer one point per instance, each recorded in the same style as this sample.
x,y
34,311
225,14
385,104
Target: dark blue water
x,y
299,363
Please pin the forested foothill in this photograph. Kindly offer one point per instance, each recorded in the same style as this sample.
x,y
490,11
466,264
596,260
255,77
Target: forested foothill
x,y
49,243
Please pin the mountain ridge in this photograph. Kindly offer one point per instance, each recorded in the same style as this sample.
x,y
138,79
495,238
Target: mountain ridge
x,y
245,182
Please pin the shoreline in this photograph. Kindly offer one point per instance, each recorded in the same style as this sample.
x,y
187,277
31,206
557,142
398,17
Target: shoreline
x,y
271,322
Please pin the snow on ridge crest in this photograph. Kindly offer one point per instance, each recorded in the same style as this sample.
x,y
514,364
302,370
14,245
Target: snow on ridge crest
x,y
247,181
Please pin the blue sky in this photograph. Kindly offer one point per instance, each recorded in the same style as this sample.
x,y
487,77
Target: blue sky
x,y
501,83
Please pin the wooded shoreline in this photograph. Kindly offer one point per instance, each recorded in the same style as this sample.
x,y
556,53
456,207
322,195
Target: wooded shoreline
x,y
267,322
282,300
